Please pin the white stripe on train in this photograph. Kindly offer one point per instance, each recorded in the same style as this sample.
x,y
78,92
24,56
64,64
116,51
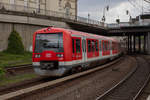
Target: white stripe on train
x,y
63,63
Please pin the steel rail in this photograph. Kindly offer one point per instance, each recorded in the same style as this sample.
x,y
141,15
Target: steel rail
x,y
118,84
142,88
144,85
122,81
18,67
51,83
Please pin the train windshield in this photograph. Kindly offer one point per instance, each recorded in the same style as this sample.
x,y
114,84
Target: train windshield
x,y
50,42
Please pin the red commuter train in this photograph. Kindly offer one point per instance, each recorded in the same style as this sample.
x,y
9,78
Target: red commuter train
x,y
56,51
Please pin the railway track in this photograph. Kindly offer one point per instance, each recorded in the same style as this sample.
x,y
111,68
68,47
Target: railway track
x,y
18,70
28,90
131,86
19,67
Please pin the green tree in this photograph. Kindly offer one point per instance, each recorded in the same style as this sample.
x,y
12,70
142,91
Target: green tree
x,y
15,45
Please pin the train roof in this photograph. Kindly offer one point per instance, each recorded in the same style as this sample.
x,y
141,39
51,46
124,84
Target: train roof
x,y
75,33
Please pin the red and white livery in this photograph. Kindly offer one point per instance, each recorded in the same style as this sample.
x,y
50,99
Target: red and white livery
x,y
56,51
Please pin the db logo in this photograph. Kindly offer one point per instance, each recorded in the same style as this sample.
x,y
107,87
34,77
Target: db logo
x,y
48,55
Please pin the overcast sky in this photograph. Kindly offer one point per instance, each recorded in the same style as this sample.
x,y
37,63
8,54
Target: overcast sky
x,y
117,9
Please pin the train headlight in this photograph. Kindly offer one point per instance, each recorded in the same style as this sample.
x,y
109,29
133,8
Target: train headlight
x,y
37,55
60,55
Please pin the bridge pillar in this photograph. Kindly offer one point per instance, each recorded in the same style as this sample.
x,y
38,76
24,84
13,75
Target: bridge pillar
x,y
131,49
139,43
134,37
144,43
128,43
148,43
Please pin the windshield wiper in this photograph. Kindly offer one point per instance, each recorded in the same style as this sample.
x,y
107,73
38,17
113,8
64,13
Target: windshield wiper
x,y
49,45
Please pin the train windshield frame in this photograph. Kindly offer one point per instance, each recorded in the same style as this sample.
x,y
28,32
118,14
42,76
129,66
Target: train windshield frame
x,y
49,42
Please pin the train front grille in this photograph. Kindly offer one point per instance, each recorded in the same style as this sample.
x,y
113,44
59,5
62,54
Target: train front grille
x,y
48,65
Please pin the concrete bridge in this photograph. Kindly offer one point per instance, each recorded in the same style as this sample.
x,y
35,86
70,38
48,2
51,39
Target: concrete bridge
x,y
26,22
137,35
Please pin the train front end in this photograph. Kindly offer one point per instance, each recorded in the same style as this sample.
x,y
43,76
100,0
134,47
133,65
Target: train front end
x,y
48,51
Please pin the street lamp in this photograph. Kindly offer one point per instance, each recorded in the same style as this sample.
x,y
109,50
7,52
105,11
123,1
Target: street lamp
x,y
88,17
128,13
106,8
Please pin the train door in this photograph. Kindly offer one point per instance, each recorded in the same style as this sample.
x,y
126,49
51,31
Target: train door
x,y
108,47
73,49
100,47
93,53
88,42
111,48
92,48
76,47
96,48
103,48
114,48
84,56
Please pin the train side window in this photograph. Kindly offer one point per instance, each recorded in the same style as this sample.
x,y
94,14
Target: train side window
x,y
103,45
78,47
93,46
110,44
89,45
100,45
105,48
73,46
96,44
113,46
107,44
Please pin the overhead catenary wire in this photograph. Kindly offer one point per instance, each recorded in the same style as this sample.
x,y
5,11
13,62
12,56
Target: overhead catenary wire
x,y
139,5
148,1
134,5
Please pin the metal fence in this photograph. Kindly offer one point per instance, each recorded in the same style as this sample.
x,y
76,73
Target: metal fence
x,y
127,24
19,8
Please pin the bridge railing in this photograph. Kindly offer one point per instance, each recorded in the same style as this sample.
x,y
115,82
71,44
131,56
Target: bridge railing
x,y
31,10
127,24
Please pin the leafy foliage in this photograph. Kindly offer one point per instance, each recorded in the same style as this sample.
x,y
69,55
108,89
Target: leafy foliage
x,y
8,59
15,45
2,72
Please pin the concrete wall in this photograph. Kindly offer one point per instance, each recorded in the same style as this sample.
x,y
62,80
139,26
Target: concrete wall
x,y
5,29
26,26
25,31
34,5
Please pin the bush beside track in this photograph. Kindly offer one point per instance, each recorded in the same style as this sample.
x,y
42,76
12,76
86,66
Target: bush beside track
x,y
15,45
15,53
